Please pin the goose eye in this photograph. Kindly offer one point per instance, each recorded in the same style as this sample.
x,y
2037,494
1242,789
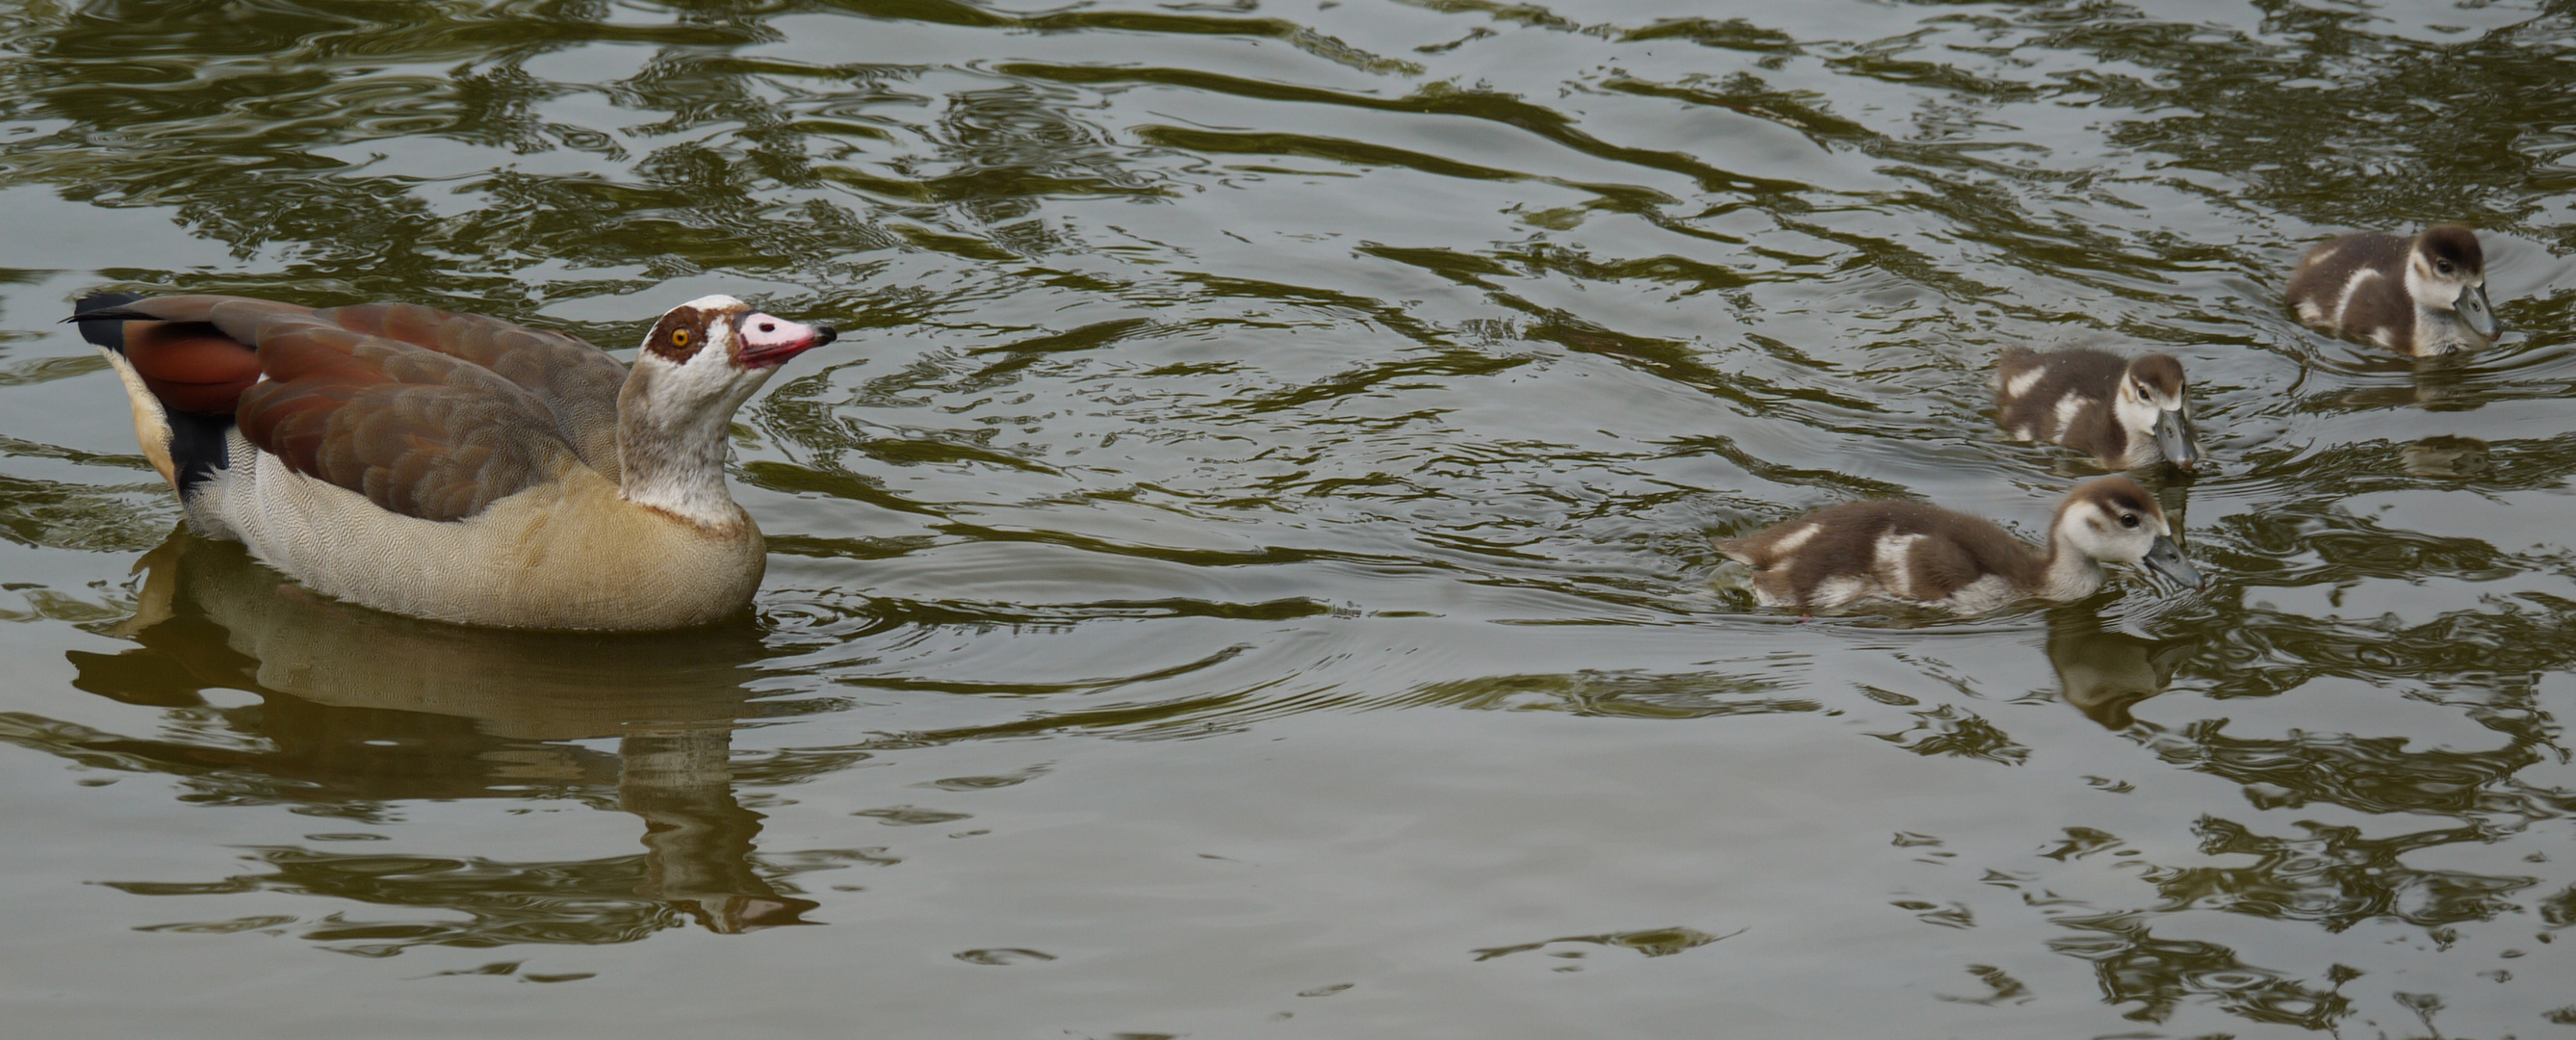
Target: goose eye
x,y
2443,266
2128,519
679,337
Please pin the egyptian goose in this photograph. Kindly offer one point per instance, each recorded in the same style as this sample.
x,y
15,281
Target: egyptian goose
x,y
2124,413
453,466
2423,296
1911,552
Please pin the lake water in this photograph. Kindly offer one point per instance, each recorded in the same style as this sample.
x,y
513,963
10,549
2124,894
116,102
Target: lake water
x,y
1244,570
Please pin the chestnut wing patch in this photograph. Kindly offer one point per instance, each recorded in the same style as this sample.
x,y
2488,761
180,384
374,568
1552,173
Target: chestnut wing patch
x,y
416,431
576,382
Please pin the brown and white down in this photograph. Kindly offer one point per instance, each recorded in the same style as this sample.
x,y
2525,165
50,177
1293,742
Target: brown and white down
x,y
1913,552
2422,296
2124,413
453,466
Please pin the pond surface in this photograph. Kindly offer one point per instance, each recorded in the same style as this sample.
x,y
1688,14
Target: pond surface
x,y
1245,569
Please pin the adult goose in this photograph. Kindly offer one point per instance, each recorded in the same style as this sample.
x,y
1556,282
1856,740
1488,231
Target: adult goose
x,y
453,466
2423,296
2126,413
1912,552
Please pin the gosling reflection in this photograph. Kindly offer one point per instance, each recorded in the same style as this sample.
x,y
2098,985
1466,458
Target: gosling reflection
x,y
2444,456
2434,384
357,705
2104,673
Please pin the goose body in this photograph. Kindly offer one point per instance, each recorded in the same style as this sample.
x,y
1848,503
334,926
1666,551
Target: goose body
x,y
2423,296
452,466
1913,552
2124,413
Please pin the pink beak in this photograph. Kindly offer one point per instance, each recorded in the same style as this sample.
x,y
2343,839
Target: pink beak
x,y
768,342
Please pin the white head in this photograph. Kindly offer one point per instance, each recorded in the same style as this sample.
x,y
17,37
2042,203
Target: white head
x,y
2154,402
2446,271
2113,520
698,365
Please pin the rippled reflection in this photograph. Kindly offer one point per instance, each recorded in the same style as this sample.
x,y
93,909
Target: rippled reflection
x,y
360,711
2105,673
2156,975
2445,456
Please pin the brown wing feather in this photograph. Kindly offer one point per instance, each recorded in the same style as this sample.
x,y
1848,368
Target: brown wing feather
x,y
575,381
2322,274
2093,375
188,369
416,431
1957,549
192,352
236,316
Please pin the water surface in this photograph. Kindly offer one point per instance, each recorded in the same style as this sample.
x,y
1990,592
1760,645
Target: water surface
x,y
1245,567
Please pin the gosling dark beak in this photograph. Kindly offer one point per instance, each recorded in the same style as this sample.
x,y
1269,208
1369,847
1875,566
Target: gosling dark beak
x,y
2164,560
2177,438
2473,309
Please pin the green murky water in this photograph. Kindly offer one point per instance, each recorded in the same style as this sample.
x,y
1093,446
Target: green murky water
x,y
1245,572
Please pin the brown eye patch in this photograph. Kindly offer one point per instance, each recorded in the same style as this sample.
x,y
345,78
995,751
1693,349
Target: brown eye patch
x,y
2158,371
2452,245
2126,503
679,335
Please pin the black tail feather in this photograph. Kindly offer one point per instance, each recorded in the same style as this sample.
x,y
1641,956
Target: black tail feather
x,y
197,444
198,448
102,317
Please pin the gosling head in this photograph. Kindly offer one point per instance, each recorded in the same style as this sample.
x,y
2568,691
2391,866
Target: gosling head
x,y
2154,399
2114,520
2446,271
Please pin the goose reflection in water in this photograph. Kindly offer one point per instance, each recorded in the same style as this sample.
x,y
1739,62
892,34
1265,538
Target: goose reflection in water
x,y
359,706
2104,673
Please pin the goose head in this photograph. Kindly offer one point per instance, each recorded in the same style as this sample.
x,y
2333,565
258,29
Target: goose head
x,y
2113,520
2446,271
2153,398
702,360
